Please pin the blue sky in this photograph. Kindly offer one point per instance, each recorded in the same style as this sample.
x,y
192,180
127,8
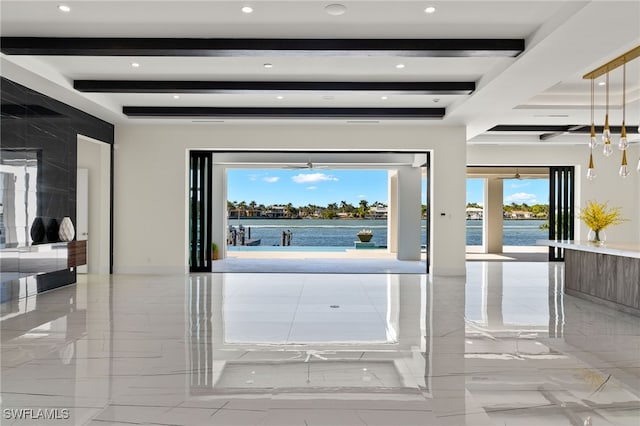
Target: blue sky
x,y
324,186
530,191
302,186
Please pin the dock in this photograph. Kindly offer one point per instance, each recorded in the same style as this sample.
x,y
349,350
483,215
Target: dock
x,y
241,236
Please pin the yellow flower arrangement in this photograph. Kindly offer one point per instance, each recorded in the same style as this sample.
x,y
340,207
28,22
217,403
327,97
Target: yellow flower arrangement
x,y
598,216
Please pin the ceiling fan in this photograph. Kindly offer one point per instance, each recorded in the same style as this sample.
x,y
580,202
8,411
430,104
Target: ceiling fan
x,y
307,165
515,176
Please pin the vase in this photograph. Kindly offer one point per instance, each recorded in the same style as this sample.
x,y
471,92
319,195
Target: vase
x,y
597,237
52,231
66,231
37,230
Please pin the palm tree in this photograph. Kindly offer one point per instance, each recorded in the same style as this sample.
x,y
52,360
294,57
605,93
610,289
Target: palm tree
x,y
242,208
289,209
231,207
364,208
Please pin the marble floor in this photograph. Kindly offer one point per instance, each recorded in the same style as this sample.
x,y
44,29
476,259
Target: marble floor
x,y
503,346
305,263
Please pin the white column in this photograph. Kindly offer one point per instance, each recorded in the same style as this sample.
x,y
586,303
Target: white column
x,y
219,202
392,213
409,205
448,200
492,222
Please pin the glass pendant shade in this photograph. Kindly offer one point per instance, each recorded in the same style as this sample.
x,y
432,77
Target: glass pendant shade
x,y
606,133
593,141
624,171
624,168
624,143
607,150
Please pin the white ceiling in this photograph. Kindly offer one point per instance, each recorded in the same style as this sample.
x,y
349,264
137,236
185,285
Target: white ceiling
x,y
543,85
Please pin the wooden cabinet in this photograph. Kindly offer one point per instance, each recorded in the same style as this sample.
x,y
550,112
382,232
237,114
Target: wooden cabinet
x,y
77,253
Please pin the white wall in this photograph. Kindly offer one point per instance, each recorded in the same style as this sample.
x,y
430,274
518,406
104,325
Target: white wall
x,y
607,187
409,206
151,181
95,156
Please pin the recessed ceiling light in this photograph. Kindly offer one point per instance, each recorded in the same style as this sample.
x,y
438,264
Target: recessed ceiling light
x,y
430,9
602,83
176,97
384,98
268,65
436,100
335,9
135,64
400,66
64,8
247,9
279,97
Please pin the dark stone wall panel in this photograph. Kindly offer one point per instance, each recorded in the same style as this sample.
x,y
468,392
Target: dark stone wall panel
x,y
33,122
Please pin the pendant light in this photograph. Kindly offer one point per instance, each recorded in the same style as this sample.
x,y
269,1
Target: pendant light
x,y
607,150
624,168
623,144
591,170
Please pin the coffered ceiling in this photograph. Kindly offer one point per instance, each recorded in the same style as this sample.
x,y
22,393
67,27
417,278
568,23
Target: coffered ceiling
x,y
482,64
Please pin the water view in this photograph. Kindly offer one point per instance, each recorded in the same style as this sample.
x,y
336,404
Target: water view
x,y
342,233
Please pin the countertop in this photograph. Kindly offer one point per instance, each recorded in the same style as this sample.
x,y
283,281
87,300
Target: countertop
x,y
616,249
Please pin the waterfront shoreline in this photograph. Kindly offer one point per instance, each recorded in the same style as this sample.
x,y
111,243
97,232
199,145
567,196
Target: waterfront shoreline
x,y
342,232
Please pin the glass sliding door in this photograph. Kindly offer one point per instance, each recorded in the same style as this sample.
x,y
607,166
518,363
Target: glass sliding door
x,y
200,180
561,208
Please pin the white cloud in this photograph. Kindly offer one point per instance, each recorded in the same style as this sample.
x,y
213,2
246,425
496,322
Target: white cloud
x,y
362,196
519,185
271,179
253,177
311,188
521,197
313,178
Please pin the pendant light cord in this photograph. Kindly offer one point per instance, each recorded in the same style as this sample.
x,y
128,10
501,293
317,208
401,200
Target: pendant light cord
x,y
624,91
592,100
607,95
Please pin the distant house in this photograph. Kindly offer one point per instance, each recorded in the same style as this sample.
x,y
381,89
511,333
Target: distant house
x,y
520,214
474,213
378,211
276,211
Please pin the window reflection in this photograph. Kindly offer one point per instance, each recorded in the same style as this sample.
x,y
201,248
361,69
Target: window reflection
x,y
19,196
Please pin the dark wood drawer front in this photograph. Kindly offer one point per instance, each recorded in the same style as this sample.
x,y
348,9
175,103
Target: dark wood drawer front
x,y
77,253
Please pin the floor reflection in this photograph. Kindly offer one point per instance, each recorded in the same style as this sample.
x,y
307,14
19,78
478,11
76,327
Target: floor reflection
x,y
503,346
